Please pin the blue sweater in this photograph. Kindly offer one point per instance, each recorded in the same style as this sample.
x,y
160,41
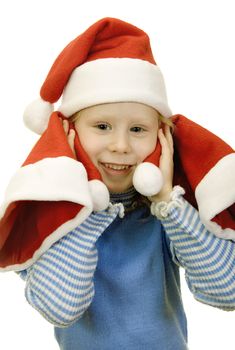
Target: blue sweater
x,y
130,298
137,302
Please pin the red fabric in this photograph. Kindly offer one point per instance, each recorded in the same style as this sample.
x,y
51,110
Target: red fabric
x,y
196,152
26,224
92,171
155,156
52,143
199,149
107,38
226,218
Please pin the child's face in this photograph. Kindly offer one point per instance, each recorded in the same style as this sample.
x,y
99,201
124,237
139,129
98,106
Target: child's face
x,y
117,137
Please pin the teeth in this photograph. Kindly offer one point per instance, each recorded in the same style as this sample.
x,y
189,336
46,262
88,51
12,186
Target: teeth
x,y
116,167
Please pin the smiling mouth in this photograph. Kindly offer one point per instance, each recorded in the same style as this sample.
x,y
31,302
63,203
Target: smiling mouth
x,y
116,167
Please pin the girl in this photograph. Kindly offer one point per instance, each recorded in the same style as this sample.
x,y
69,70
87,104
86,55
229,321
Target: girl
x,y
112,280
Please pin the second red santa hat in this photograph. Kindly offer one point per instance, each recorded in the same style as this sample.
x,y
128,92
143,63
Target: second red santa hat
x,y
54,191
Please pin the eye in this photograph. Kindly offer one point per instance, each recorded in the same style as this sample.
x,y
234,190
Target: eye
x,y
137,129
103,126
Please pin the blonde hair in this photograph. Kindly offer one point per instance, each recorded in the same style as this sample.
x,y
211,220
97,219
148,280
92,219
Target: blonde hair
x,y
167,121
75,116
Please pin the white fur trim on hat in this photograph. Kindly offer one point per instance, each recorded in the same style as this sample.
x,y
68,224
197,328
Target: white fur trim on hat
x,y
115,80
147,179
215,193
37,114
54,179
99,194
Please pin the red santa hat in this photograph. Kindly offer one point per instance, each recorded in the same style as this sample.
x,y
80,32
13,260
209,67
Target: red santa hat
x,y
54,191
111,61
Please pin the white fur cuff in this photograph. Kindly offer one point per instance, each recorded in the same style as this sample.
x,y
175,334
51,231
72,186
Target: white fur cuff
x,y
161,209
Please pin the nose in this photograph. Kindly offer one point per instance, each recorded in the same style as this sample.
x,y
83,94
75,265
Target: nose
x,y
119,143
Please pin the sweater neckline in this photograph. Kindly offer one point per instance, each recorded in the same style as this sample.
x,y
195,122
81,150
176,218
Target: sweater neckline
x,y
126,198
130,199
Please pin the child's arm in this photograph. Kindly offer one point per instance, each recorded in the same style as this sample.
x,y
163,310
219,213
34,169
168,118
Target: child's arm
x,y
208,260
60,284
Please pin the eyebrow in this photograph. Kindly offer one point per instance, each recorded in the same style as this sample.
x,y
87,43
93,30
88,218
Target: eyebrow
x,y
135,118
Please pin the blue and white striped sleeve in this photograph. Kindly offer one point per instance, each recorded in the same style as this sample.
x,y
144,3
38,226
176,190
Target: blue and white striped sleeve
x,y
209,261
60,283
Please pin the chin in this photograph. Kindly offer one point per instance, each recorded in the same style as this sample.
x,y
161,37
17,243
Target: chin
x,y
118,188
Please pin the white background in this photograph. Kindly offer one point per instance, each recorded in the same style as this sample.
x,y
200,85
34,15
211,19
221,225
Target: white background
x,y
193,43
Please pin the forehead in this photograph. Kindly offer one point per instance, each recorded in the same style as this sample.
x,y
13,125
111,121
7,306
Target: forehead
x,y
125,109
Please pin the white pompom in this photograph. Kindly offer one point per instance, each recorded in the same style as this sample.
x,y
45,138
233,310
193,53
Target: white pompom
x,y
147,179
99,194
37,114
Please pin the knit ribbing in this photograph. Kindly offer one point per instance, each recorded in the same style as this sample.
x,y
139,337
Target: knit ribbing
x,y
208,260
60,284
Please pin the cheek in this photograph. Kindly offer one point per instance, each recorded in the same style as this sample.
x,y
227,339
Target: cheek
x,y
91,148
88,146
147,147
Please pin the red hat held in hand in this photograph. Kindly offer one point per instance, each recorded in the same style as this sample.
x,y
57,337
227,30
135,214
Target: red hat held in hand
x,y
53,192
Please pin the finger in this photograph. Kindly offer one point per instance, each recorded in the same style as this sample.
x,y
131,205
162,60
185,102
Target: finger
x,y
169,138
71,138
166,159
66,126
163,141
71,134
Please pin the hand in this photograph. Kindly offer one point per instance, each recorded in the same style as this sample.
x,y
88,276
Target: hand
x,y
70,134
166,165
